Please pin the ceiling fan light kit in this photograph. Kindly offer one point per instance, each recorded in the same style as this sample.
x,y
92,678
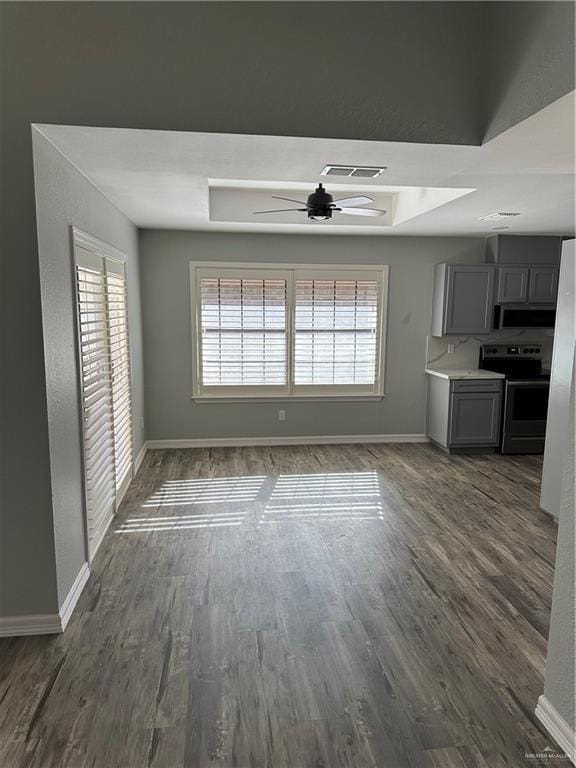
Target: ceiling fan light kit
x,y
320,205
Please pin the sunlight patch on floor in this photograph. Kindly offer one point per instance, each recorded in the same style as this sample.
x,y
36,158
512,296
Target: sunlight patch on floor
x,y
318,497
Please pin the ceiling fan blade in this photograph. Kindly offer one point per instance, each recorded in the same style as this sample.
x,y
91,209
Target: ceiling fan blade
x,y
347,201
363,211
290,200
282,210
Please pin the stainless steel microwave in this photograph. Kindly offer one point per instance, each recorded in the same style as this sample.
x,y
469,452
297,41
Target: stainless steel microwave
x,y
524,316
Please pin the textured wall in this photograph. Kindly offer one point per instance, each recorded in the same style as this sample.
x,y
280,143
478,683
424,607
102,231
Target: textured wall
x,y
560,683
528,53
394,71
65,197
170,412
561,380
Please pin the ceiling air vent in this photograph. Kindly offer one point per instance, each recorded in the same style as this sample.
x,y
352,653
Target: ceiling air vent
x,y
498,216
357,171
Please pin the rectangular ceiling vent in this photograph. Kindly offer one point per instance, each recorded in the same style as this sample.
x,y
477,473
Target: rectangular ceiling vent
x,y
358,171
498,216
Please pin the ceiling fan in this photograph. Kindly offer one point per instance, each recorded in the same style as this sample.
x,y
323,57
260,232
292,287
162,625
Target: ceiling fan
x,y
320,205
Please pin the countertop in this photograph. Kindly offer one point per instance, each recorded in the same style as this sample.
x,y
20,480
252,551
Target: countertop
x,y
463,373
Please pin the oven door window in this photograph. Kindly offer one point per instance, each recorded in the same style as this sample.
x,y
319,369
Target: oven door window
x,y
530,403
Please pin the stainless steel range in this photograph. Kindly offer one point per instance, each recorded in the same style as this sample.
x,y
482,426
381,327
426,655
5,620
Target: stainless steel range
x,y
525,394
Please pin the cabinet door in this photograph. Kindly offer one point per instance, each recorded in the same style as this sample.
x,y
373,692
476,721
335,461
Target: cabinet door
x,y
543,284
469,299
512,284
524,249
474,418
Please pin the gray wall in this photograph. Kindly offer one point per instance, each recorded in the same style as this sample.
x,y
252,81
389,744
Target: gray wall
x,y
560,683
402,71
528,54
561,380
65,198
170,412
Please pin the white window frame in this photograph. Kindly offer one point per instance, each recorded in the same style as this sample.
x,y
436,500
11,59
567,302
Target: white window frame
x,y
290,272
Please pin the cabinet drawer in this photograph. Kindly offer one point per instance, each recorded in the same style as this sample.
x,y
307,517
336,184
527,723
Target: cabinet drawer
x,y
477,385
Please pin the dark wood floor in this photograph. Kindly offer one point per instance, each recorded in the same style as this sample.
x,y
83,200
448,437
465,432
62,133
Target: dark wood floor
x,y
368,606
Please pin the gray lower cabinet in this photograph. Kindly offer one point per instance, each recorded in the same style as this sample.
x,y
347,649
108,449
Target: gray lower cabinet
x,y
463,299
474,418
464,414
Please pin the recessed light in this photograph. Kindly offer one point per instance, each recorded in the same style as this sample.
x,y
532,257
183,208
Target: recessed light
x,y
357,171
498,216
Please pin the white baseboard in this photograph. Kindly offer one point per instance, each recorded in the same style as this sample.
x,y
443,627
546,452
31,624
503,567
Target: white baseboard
x,y
140,458
241,442
46,623
94,544
72,597
557,727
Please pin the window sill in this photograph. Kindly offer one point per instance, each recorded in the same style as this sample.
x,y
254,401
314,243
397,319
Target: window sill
x,y
288,399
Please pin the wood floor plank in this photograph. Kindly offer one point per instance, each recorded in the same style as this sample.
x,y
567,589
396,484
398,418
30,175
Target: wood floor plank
x,y
377,606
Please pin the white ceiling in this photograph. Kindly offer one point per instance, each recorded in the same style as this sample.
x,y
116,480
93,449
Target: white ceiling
x,y
209,181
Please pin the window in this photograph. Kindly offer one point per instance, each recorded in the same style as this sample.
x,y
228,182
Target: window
x,y
335,332
263,331
105,384
243,331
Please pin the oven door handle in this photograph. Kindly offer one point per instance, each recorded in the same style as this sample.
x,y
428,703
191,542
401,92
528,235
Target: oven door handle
x,y
527,383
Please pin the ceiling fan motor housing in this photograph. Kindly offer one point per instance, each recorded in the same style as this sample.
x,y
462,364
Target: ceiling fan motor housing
x,y
320,204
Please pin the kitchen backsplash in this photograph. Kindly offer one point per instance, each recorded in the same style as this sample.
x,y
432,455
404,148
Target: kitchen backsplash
x,y
467,348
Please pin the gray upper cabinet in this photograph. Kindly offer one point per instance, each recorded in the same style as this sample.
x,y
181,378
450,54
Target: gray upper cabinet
x,y
543,284
512,284
463,299
524,249
474,419
520,284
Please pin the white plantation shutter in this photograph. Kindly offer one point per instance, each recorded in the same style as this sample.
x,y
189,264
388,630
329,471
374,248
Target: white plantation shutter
x,y
336,331
243,332
95,373
288,331
120,369
105,387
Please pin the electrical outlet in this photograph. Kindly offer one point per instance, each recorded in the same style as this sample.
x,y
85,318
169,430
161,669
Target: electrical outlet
x,y
451,348
282,415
